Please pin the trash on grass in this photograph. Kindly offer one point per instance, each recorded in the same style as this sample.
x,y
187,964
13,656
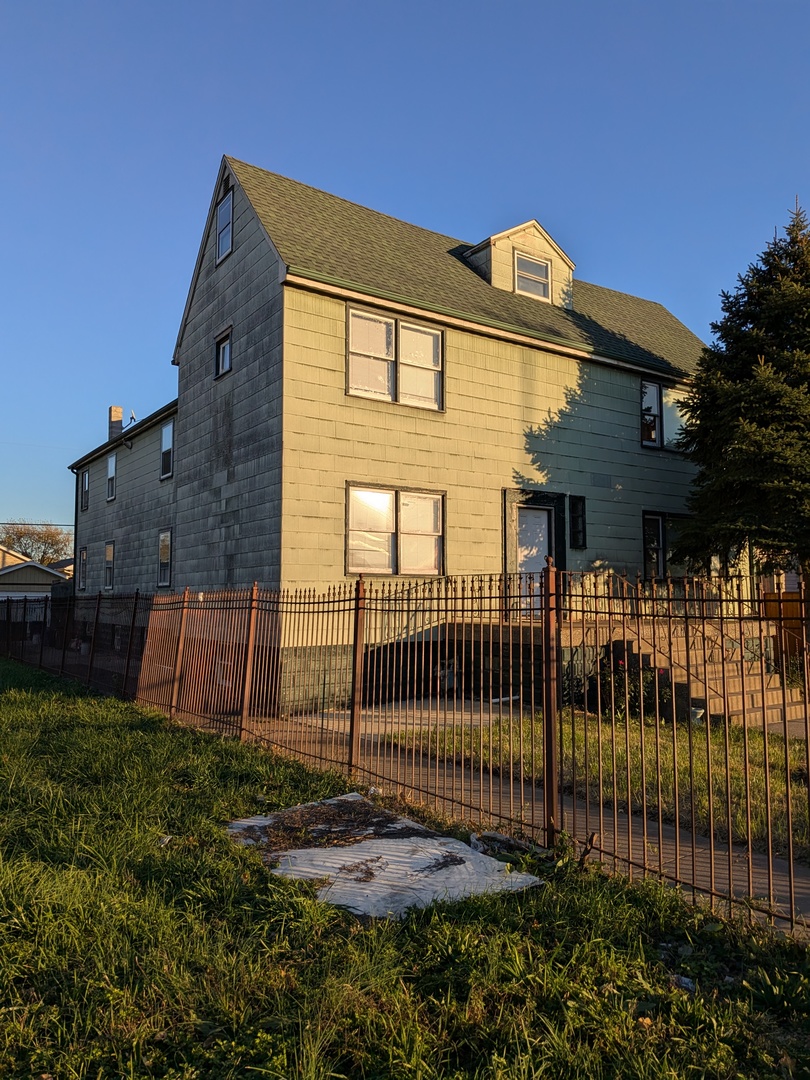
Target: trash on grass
x,y
371,861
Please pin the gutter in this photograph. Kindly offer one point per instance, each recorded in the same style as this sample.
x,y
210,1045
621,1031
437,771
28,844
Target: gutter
x,y
332,286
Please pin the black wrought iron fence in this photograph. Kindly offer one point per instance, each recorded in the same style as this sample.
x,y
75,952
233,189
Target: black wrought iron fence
x,y
662,726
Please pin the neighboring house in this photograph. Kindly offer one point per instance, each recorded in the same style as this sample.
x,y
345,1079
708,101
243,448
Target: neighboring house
x,y
125,506
360,395
10,558
64,566
29,579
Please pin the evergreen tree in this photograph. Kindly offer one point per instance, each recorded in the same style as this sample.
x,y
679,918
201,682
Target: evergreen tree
x,y
747,416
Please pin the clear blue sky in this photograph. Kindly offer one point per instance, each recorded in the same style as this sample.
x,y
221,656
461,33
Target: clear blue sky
x,y
659,143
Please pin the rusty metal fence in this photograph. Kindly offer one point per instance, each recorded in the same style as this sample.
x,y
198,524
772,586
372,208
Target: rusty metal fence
x,y
661,726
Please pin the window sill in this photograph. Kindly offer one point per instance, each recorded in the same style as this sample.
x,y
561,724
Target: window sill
x,y
662,449
392,401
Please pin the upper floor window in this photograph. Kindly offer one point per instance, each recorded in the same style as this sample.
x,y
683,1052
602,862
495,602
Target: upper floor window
x,y
394,360
532,276
84,488
167,450
109,564
394,532
81,582
165,557
111,464
224,226
661,419
223,356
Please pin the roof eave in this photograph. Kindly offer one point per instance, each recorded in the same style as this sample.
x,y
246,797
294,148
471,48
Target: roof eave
x,y
567,344
137,429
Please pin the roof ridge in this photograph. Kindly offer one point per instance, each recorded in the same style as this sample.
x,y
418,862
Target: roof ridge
x,y
350,202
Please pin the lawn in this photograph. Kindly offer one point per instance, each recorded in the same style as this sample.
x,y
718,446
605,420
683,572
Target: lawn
x,y
137,941
690,770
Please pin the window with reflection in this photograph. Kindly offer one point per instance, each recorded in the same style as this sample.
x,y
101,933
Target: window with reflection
x,y
394,532
394,360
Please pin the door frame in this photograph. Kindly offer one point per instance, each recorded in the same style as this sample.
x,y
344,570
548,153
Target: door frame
x,y
540,500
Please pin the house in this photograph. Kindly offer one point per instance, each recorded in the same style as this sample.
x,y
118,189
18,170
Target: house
x,y
360,395
8,557
28,579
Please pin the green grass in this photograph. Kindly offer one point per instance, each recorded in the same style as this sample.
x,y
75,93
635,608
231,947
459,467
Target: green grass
x,y
514,746
126,955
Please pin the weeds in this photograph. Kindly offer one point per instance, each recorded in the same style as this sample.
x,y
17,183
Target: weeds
x,y
127,954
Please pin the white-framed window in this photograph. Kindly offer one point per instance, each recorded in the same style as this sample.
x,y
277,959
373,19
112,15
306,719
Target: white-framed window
x,y
109,564
661,420
391,531
225,226
81,582
84,489
111,467
532,276
165,557
167,450
394,360
222,364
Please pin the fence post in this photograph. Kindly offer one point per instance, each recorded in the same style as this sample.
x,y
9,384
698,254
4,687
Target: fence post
x,y
92,655
129,643
24,635
71,604
357,670
550,702
42,631
8,626
247,684
178,657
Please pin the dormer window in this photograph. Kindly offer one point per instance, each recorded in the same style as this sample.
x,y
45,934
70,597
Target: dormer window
x,y
532,277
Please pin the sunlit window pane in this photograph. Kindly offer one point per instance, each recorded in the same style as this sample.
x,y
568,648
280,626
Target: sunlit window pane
x,y
368,375
371,336
420,554
673,419
420,513
372,552
418,386
371,511
420,347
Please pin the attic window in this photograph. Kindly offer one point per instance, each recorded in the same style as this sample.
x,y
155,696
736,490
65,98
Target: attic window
x,y
532,277
225,226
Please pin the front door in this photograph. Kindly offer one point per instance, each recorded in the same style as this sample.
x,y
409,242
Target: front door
x,y
533,536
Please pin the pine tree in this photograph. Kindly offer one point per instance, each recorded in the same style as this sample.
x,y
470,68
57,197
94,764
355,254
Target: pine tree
x,y
747,416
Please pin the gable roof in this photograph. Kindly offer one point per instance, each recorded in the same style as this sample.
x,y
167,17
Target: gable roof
x,y
9,557
328,239
28,567
532,225
127,434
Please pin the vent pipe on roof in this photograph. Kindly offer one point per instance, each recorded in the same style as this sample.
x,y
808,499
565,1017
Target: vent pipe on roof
x,y
116,421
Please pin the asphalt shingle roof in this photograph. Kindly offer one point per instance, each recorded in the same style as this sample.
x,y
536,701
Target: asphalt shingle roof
x,y
327,238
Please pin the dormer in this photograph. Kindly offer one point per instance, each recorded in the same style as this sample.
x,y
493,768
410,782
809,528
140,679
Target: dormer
x,y
525,260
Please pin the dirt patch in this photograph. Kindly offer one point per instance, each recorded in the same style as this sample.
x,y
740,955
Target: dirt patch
x,y
336,822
